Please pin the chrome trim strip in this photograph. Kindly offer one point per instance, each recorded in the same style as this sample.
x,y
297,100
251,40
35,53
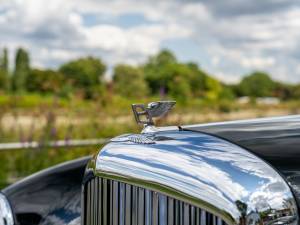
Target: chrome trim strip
x,y
205,171
290,119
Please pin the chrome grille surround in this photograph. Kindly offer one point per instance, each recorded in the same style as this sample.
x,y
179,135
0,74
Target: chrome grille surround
x,y
111,202
203,171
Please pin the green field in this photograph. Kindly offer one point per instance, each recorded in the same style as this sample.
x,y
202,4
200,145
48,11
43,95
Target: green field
x,y
44,118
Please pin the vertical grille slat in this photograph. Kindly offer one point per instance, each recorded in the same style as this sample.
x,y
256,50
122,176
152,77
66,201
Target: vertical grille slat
x,y
105,205
148,207
95,199
203,217
177,213
128,205
170,211
134,201
192,215
186,214
155,208
122,205
141,206
88,205
115,202
110,202
163,211
100,201
198,216
181,213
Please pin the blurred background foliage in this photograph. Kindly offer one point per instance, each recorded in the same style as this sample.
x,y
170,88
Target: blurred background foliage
x,y
162,75
77,101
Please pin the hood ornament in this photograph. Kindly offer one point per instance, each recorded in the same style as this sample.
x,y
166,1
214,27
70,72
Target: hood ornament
x,y
144,114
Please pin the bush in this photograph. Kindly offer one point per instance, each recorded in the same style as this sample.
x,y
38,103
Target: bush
x,y
128,81
257,84
84,74
45,81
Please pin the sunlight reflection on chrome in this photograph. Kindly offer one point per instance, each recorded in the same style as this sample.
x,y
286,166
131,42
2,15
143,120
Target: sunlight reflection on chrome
x,y
219,176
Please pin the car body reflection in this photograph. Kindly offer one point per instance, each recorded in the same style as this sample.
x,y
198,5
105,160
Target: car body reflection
x,y
209,172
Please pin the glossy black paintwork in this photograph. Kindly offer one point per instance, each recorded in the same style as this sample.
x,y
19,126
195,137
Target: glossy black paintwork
x,y
51,196
276,140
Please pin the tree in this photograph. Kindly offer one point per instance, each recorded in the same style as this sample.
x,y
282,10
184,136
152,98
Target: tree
x,y
198,80
213,88
180,88
179,80
257,84
129,81
4,63
295,91
45,81
156,71
84,74
22,69
3,80
227,92
284,91
4,77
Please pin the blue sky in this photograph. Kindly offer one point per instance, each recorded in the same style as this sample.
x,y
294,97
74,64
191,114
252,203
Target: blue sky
x,y
229,39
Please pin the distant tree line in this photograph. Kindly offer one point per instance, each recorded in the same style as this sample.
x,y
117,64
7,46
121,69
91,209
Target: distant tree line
x,y
161,75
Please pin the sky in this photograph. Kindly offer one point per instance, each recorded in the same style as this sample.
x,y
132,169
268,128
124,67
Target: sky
x,y
229,39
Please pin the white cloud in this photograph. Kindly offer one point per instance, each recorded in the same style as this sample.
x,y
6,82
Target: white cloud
x,y
234,41
257,62
143,40
57,31
227,77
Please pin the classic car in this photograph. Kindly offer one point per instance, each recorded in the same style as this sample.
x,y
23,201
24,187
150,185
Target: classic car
x,y
238,172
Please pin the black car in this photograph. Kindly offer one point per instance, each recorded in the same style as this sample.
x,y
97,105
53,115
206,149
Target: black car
x,y
240,172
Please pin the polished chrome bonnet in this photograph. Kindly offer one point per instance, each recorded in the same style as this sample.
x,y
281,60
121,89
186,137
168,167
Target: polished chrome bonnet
x,y
6,213
205,171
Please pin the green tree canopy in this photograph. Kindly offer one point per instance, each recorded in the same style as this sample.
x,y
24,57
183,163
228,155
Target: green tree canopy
x,y
22,69
179,80
257,84
45,81
4,69
198,80
129,81
3,80
213,88
156,71
178,83
284,91
295,91
84,74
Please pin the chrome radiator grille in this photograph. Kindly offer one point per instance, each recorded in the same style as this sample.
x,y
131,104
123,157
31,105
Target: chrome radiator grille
x,y
109,202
